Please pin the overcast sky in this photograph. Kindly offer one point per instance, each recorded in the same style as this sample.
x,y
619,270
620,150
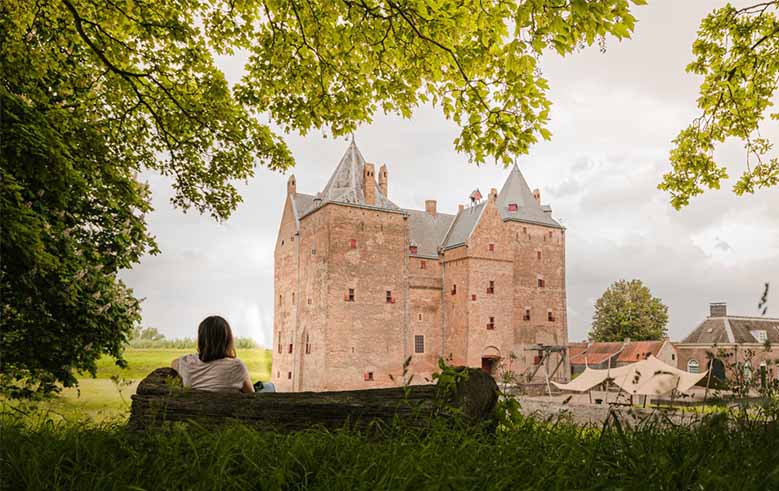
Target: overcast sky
x,y
613,118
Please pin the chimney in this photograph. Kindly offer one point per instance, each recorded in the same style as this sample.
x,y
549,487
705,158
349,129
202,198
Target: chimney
x,y
383,180
537,196
718,309
493,194
291,188
430,207
369,184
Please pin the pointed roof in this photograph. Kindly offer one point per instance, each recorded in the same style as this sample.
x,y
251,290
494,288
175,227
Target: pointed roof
x,y
346,184
516,191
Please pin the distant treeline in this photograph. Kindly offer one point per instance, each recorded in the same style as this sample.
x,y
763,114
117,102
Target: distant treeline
x,y
150,337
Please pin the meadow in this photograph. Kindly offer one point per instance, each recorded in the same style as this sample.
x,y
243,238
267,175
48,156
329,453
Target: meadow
x,y
107,396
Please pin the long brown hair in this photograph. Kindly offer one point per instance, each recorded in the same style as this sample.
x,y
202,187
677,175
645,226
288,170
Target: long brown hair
x,y
215,339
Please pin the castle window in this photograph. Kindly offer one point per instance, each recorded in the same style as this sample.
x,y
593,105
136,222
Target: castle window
x,y
308,345
550,316
491,323
540,282
368,376
289,375
350,295
280,300
309,301
412,249
290,348
513,207
293,298
313,251
389,297
419,344
538,255
524,230
527,315
473,297
282,242
353,243
454,289
419,316
551,234
491,288
491,247
422,264
279,344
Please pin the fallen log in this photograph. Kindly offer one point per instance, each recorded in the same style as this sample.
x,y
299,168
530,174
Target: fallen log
x,y
161,399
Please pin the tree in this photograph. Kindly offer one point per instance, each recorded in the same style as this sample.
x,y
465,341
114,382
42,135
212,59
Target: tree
x,y
737,53
627,309
94,92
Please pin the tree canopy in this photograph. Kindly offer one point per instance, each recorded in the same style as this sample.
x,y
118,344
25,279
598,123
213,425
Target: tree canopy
x,y
737,53
627,309
95,92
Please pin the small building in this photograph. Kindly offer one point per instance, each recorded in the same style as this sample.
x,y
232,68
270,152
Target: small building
x,y
732,342
615,354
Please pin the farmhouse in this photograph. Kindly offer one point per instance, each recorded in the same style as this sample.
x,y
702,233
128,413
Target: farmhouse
x,y
362,284
732,342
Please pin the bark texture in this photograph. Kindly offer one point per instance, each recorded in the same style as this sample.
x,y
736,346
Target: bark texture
x,y
161,399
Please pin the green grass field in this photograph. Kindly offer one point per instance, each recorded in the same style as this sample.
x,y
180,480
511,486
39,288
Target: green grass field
x,y
102,398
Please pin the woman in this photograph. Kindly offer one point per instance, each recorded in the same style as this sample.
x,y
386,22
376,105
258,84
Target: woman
x,y
214,368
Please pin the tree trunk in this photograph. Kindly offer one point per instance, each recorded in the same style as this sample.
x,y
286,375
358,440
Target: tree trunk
x,y
160,398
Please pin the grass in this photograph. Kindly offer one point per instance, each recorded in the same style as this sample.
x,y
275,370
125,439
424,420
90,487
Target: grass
x,y
718,454
102,398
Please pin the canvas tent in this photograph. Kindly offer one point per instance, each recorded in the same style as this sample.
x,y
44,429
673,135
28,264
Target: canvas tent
x,y
649,377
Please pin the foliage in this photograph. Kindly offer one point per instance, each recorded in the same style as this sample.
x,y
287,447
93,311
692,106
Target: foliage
x,y
714,454
737,53
627,309
93,93
151,338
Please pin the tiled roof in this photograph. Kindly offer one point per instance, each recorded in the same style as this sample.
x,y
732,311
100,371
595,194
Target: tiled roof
x,y
427,231
516,191
733,329
346,184
600,352
464,223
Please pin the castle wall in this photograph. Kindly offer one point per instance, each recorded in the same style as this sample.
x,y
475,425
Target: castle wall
x,y
284,311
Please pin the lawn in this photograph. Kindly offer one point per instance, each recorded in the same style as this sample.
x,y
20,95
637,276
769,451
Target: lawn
x,y
102,397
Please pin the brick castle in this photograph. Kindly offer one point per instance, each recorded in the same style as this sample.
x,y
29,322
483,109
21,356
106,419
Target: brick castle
x,y
362,284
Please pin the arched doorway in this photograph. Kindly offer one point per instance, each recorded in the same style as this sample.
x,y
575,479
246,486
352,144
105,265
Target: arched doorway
x,y
489,360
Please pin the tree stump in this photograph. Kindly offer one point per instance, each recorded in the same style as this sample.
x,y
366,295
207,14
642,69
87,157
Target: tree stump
x,y
161,399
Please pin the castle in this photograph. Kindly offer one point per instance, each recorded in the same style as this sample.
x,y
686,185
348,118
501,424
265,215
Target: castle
x,y
362,285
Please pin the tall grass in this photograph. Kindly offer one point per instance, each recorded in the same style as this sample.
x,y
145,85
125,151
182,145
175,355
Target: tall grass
x,y
719,453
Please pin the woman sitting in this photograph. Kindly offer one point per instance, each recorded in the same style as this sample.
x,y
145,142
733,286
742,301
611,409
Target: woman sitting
x,y
214,368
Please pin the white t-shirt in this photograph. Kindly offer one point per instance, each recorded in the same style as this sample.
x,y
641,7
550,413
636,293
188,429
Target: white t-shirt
x,y
223,375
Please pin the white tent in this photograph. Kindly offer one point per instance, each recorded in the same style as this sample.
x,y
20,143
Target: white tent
x,y
646,377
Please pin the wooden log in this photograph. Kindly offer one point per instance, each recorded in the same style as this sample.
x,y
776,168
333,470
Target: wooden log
x,y
161,399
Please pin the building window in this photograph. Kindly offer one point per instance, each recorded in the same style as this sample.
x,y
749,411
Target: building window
x,y
313,251
454,289
308,345
419,316
540,282
353,243
279,300
419,344
550,234
279,344
350,295
309,301
422,264
550,316
491,287
368,376
389,297
473,297
289,375
538,255
693,366
491,247
290,348
412,249
491,323
513,207
527,315
293,298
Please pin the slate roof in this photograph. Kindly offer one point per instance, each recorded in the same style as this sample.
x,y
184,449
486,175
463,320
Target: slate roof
x,y
346,184
516,190
302,204
733,329
464,223
427,231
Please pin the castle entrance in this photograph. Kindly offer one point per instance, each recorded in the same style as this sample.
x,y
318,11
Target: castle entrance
x,y
489,360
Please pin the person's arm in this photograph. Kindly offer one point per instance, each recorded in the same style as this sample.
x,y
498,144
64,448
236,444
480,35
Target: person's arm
x,y
247,380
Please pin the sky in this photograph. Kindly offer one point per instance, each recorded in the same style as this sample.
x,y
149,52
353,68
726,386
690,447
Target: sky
x,y
613,117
